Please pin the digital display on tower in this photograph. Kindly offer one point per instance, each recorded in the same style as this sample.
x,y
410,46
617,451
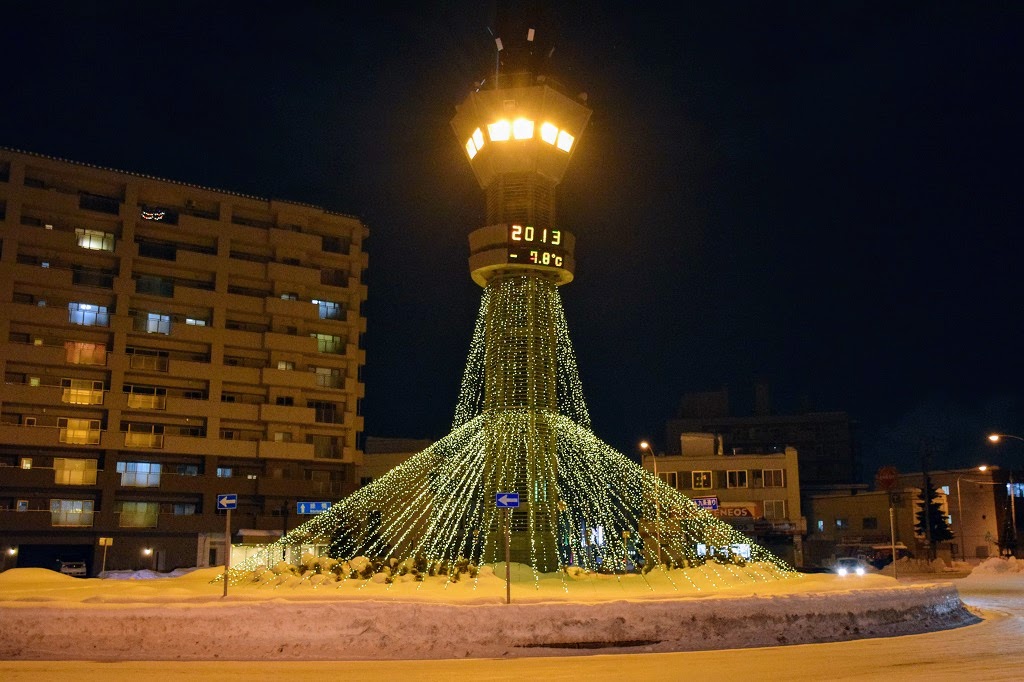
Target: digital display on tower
x,y
528,256
531,245
527,234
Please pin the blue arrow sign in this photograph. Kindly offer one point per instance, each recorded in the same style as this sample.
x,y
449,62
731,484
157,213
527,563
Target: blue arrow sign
x,y
227,501
312,507
506,500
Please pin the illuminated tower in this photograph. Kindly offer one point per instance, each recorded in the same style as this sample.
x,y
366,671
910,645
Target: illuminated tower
x,y
519,130
521,422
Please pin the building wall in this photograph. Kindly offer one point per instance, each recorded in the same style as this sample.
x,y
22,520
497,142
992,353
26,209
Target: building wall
x,y
162,343
859,524
825,440
759,494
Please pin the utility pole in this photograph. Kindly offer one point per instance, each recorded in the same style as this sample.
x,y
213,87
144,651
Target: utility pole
x,y
926,501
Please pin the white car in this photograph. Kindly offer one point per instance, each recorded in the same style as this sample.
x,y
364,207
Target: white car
x,y
850,566
73,568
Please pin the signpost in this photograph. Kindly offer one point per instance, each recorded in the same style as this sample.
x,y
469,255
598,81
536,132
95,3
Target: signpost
x,y
508,502
312,507
104,543
227,501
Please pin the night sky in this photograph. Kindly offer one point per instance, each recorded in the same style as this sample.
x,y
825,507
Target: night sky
x,y
823,195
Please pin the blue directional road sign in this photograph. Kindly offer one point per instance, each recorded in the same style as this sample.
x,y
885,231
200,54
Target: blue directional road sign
x,y
506,500
227,501
706,503
312,507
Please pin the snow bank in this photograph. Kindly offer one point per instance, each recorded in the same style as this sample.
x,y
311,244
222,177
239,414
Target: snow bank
x,y
48,616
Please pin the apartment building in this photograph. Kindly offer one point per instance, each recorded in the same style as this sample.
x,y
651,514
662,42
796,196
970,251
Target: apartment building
x,y
757,493
162,343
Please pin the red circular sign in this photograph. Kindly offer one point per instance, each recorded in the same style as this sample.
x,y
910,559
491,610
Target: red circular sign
x,y
887,478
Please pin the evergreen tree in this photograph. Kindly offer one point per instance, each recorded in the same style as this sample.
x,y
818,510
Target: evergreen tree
x,y
931,521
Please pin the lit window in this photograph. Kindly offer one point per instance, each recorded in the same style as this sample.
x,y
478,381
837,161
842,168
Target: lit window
x,y
139,474
701,480
285,365
565,141
821,525
329,310
500,131
138,514
157,323
522,129
82,391
289,296
328,377
88,314
195,322
144,435
81,353
26,462
223,472
470,148
184,509
71,512
548,133
95,239
842,523
329,344
79,431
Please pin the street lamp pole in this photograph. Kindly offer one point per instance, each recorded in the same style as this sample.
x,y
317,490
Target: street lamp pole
x,y
646,447
960,515
995,438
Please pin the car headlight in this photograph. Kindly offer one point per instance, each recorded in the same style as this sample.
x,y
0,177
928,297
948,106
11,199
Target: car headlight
x,y
841,571
860,570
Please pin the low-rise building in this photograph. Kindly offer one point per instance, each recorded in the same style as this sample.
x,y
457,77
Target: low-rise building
x,y
858,522
758,493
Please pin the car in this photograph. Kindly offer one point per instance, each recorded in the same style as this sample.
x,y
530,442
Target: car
x,y
73,568
849,566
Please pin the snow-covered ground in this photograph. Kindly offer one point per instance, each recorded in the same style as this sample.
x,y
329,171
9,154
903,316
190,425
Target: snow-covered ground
x,y
187,608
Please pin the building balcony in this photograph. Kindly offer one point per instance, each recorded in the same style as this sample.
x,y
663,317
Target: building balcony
x,y
36,520
245,412
295,241
286,414
288,377
240,375
187,445
289,343
15,478
277,450
302,310
293,275
49,355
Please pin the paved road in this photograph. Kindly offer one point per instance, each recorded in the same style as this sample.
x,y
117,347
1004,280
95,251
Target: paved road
x,y
990,650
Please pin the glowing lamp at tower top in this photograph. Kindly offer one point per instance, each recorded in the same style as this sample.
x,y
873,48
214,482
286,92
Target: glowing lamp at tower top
x,y
521,124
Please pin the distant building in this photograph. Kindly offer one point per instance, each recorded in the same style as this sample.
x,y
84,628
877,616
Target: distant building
x,y
825,440
757,493
857,522
384,454
162,343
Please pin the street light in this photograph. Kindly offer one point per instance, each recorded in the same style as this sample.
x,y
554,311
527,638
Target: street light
x,y
995,438
148,552
646,447
960,513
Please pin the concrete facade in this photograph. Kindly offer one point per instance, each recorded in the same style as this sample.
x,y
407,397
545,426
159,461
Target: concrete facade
x,y
759,494
162,343
857,522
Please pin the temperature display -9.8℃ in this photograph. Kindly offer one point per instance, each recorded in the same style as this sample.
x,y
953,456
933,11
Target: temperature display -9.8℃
x,y
528,234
